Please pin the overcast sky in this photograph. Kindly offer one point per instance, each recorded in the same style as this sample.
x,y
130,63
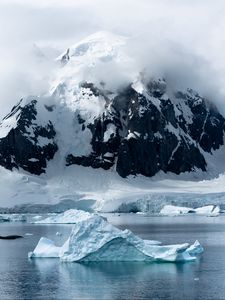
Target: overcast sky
x,y
186,37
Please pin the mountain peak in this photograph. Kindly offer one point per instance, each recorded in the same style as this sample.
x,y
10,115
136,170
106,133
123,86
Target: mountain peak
x,y
94,59
100,45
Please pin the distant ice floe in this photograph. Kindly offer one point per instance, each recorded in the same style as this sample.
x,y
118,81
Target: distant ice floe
x,y
70,216
209,210
73,216
94,239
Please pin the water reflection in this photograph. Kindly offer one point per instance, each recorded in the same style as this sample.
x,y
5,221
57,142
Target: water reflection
x,y
116,280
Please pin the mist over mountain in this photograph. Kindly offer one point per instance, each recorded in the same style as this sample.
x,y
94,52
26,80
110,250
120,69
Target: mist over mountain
x,y
180,40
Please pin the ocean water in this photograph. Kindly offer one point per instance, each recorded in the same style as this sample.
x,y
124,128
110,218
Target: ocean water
x,y
21,278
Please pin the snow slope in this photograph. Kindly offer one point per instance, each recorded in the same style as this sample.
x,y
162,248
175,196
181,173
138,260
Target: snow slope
x,y
91,189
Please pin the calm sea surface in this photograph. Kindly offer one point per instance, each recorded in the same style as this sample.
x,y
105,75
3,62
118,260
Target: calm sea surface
x,y
21,278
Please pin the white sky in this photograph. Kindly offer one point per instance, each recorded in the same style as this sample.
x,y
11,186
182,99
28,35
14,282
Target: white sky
x,y
188,34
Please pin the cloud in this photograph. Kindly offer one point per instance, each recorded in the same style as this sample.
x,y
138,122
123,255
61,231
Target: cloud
x,y
183,40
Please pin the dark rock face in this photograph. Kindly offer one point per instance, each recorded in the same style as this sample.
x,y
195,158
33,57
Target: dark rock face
x,y
159,144
135,133
23,145
154,133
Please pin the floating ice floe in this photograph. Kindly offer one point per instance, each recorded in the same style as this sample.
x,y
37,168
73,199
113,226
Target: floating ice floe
x,y
70,216
209,210
94,239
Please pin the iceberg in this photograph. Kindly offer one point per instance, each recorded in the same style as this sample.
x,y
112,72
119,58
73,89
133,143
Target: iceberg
x,y
94,239
209,210
70,216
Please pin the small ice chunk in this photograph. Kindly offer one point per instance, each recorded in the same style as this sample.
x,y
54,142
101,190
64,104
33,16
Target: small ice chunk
x,y
58,233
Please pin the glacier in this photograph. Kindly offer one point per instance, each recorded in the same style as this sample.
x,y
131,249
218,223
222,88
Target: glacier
x,y
13,218
95,240
88,189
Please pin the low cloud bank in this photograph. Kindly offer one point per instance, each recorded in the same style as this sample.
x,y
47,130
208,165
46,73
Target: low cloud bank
x,y
180,40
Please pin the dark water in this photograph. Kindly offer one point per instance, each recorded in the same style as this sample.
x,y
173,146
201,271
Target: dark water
x,y
21,278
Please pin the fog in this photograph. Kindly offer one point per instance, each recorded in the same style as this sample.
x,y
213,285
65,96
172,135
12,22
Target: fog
x,y
183,41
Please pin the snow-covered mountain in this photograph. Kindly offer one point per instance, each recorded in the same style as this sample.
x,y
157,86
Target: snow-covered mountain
x,y
125,122
103,121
